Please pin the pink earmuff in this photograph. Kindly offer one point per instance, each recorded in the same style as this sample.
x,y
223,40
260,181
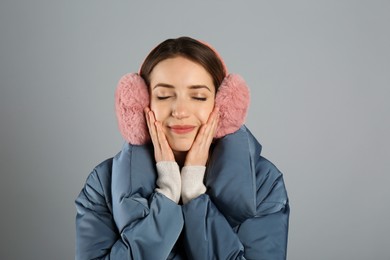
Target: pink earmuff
x,y
131,97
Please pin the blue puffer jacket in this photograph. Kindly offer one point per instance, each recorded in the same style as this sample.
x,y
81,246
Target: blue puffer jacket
x,y
243,215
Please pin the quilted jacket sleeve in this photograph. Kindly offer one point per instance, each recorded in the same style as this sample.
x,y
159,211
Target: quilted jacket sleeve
x,y
97,235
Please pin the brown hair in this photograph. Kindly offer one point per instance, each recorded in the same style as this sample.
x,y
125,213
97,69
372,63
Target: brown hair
x,y
190,49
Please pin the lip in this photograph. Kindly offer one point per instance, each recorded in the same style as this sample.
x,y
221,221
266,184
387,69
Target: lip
x,y
182,129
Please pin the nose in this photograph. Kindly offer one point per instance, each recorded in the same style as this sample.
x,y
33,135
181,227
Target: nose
x,y
180,109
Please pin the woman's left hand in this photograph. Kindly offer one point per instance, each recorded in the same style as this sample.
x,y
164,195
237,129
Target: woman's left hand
x,y
199,152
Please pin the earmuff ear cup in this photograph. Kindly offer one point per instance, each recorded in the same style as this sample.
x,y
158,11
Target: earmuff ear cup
x,y
232,99
132,96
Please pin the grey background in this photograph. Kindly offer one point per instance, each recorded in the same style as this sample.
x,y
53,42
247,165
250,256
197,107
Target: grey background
x,y
319,78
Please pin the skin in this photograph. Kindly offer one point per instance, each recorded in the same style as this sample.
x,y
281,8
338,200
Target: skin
x,y
182,120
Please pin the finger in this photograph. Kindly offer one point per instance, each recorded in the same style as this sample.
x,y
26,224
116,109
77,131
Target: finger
x,y
153,133
166,151
202,143
210,128
160,135
199,152
146,111
147,117
205,131
151,126
215,124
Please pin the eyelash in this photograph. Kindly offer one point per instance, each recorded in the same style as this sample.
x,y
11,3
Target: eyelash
x,y
196,98
163,98
200,98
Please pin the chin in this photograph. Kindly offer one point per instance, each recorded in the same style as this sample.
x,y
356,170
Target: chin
x,y
181,146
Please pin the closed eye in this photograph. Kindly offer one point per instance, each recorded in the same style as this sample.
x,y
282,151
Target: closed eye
x,y
163,97
200,98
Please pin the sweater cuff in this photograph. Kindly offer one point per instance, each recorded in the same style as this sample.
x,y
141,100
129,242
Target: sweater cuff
x,y
192,182
168,180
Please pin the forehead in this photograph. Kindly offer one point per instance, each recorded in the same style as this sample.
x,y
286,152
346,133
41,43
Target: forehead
x,y
180,71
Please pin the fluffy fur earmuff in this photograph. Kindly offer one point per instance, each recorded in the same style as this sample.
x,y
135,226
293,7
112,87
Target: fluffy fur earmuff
x,y
132,96
232,99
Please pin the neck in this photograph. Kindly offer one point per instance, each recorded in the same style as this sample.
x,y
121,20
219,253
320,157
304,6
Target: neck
x,y
180,158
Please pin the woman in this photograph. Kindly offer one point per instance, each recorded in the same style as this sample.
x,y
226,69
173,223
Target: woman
x,y
190,183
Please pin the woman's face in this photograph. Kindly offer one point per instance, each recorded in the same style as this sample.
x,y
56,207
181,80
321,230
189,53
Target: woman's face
x,y
182,98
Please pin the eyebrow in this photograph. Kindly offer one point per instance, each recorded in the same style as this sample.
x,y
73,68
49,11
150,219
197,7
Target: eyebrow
x,y
199,86
164,85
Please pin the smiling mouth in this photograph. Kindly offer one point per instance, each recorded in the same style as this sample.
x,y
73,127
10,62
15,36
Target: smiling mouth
x,y
182,129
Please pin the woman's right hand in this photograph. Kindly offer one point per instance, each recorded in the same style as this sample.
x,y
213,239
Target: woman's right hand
x,y
162,150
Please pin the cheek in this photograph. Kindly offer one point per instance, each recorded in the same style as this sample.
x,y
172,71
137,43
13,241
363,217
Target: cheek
x,y
159,111
203,114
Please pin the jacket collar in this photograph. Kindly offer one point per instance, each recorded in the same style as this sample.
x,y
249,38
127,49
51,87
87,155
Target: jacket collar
x,y
230,175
